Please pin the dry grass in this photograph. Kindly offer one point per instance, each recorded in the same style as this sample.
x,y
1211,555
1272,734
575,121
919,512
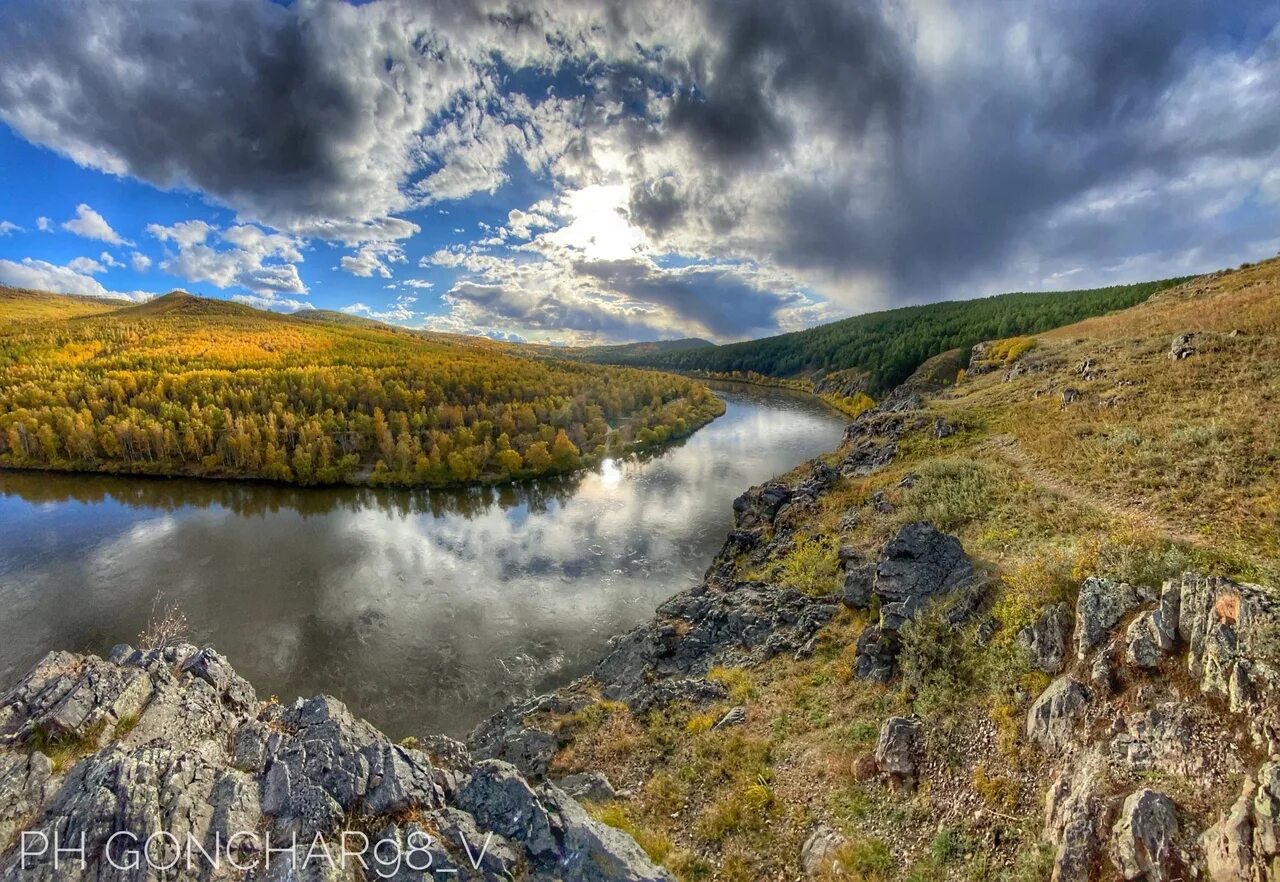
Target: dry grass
x,y
167,625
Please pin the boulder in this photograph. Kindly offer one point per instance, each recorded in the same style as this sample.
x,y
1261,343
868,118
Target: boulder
x,y
858,583
900,748
445,751
1183,346
1266,816
1143,839
1046,638
759,506
559,834
502,801
1228,845
589,851
1053,717
877,654
1244,846
212,667
920,562
1146,643
1230,632
1099,608
820,850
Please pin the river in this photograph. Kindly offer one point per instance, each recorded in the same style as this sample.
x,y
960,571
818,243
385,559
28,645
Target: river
x,y
423,611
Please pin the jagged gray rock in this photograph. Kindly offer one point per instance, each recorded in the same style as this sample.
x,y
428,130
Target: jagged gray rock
x,y
920,563
759,506
1228,845
173,741
1231,631
1183,346
1100,607
1046,638
735,716
591,786
1053,716
1072,813
857,580
899,748
1143,839
735,624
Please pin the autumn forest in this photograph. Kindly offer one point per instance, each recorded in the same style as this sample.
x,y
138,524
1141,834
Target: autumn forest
x,y
183,385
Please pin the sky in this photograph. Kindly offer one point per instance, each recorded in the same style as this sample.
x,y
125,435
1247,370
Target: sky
x,y
595,171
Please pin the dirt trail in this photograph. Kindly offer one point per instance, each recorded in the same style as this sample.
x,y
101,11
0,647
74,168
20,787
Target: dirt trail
x,y
1007,446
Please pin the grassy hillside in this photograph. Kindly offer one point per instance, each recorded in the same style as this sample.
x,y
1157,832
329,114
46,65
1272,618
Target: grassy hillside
x,y
888,346
19,304
1090,451
194,386
623,351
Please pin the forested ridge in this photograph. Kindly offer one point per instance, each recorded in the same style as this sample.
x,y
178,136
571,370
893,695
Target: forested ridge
x,y
889,345
187,385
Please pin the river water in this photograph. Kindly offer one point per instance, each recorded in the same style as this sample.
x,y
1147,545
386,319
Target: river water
x,y
423,611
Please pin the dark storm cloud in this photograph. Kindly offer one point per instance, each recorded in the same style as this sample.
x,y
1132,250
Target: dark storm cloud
x,y
966,161
250,102
631,299
840,57
716,299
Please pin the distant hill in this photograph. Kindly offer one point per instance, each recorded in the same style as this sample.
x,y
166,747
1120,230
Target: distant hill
x,y
888,346
639,350
335,317
187,385
181,303
23,304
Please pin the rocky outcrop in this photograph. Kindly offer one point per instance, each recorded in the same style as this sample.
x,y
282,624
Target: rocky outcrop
x,y
737,624
820,850
1143,840
918,565
174,743
1231,632
1220,637
1183,346
1244,846
844,383
1101,605
1073,817
858,579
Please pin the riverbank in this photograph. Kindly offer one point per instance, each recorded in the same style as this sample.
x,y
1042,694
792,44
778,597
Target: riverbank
x,y
371,476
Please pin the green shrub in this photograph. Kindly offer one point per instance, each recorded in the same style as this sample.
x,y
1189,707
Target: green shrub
x,y
811,566
948,493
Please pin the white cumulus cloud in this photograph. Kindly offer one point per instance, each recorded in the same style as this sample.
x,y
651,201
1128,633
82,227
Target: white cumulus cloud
x,y
91,225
